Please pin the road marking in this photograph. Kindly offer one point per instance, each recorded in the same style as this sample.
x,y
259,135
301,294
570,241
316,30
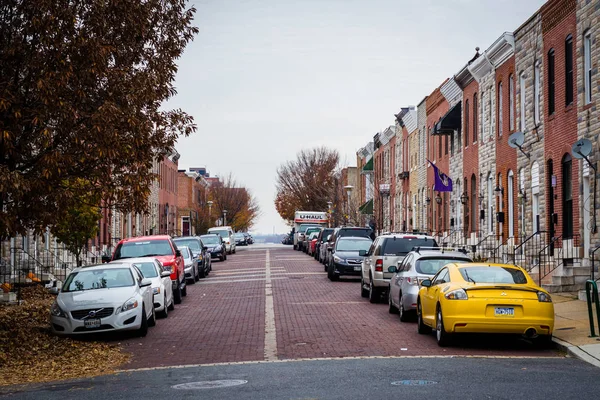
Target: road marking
x,y
324,303
270,330
334,359
245,271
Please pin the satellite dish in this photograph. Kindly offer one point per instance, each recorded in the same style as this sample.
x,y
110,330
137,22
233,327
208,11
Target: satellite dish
x,y
516,140
581,148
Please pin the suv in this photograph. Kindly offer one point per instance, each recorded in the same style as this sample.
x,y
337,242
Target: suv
x,y
200,253
164,250
300,234
385,252
419,264
343,232
347,256
227,234
321,242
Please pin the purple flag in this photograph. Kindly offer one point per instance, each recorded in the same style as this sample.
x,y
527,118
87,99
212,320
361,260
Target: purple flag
x,y
442,182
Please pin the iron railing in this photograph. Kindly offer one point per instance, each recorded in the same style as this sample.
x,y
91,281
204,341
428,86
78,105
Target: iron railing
x,y
483,249
558,252
526,254
593,266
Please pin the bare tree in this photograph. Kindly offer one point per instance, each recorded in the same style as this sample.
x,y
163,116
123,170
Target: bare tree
x,y
308,182
242,208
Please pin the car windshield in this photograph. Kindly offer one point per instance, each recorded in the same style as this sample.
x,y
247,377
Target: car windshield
x,y
312,230
144,249
492,274
353,245
366,232
401,246
223,233
193,244
211,239
98,279
303,228
239,236
430,266
148,269
185,252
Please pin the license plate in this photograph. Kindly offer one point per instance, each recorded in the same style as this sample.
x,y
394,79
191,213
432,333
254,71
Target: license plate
x,y
357,268
92,323
504,312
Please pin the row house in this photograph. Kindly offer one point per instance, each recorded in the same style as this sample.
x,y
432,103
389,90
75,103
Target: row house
x,y
517,131
191,201
384,160
365,184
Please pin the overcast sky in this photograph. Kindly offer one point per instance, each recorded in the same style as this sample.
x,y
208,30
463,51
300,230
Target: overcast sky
x,y
266,78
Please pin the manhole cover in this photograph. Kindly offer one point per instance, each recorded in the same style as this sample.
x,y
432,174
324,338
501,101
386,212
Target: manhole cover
x,y
210,384
413,382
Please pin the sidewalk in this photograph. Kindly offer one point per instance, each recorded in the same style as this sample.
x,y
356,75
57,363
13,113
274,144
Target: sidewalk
x,y
572,328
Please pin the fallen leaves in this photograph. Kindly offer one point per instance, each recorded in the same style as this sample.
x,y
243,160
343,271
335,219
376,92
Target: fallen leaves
x,y
30,353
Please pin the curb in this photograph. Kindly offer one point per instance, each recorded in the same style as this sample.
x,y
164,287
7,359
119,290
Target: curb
x,y
576,351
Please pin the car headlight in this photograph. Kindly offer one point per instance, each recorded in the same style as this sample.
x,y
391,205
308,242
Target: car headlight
x,y
458,294
544,297
129,305
338,259
56,311
156,290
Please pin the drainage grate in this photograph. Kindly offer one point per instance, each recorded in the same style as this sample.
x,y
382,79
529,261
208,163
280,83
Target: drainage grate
x,y
210,384
414,382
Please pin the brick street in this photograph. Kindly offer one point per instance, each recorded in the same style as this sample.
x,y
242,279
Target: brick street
x,y
223,319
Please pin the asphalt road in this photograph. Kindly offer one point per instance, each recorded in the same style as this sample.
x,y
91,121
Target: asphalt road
x,y
270,318
408,378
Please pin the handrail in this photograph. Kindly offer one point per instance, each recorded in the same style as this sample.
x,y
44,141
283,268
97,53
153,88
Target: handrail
x,y
531,237
570,254
591,286
593,261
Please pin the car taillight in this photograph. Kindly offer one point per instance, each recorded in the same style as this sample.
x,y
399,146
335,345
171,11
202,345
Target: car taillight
x,y
379,265
412,281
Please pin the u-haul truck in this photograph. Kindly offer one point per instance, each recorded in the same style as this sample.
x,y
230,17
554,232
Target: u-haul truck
x,y
305,219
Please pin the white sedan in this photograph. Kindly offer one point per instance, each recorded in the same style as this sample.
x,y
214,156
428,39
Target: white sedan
x,y
103,298
162,288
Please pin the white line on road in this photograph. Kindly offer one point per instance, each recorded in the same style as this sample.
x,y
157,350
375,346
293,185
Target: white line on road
x,y
270,330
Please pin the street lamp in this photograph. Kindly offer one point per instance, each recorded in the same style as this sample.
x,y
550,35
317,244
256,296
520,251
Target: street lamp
x,y
329,204
521,197
209,203
224,217
438,198
481,199
464,197
428,200
348,189
499,191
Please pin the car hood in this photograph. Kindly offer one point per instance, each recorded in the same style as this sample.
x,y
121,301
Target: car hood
x,y
95,298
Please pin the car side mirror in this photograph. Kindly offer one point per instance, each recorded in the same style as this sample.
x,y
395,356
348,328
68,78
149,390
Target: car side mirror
x,y
204,248
105,259
330,249
146,282
426,283
362,253
165,274
177,253
393,269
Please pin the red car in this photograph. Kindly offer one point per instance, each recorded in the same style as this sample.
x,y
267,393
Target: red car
x,y
312,243
163,249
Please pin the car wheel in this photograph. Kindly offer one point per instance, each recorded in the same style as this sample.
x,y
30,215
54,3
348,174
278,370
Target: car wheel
x,y
373,292
363,292
152,320
421,327
172,305
401,311
295,247
391,307
234,250
177,293
330,272
184,291
202,273
443,337
222,257
165,312
143,331
197,277
543,341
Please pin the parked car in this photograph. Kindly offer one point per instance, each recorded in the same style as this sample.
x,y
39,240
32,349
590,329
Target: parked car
x,y
227,234
484,298
321,239
199,251
215,246
249,238
103,298
306,238
312,243
190,264
240,239
385,252
162,289
415,267
300,235
162,248
354,231
347,255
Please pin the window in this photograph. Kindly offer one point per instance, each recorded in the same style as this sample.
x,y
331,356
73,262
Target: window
x,y
490,121
569,70
587,68
536,93
440,146
511,103
500,109
466,122
535,191
475,117
511,204
567,194
482,114
551,89
522,100
490,190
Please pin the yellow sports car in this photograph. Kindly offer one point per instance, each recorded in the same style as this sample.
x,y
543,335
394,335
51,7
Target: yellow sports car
x,y
484,298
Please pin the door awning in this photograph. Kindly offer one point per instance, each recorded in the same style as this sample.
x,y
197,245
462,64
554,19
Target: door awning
x,y
367,208
450,122
368,166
